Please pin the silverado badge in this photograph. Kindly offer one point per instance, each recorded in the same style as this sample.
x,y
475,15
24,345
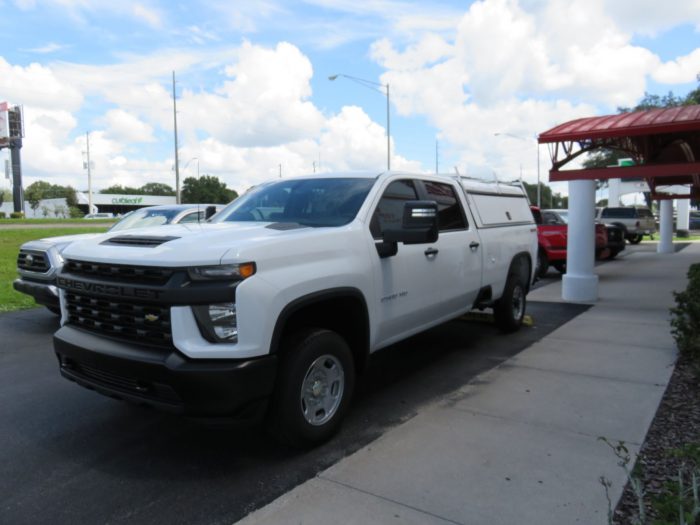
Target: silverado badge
x,y
151,318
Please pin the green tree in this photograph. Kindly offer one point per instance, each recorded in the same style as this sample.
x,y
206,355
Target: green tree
x,y
548,199
206,190
156,188
118,189
71,197
35,192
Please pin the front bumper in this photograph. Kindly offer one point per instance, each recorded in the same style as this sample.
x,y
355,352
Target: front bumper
x,y
43,293
164,378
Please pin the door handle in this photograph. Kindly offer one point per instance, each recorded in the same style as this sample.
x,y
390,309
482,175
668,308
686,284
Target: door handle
x,y
473,245
431,252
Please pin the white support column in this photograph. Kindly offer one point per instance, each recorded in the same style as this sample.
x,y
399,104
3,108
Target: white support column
x,y
614,192
580,284
666,227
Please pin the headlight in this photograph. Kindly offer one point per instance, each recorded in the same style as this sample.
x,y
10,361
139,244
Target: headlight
x,y
222,272
217,322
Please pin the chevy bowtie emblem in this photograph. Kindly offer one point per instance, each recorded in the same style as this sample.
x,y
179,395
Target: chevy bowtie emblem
x,y
29,259
151,318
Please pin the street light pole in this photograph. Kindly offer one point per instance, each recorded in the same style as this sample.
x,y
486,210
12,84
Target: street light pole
x,y
177,162
369,84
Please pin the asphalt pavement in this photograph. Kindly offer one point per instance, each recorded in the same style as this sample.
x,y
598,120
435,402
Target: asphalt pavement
x,y
69,455
520,442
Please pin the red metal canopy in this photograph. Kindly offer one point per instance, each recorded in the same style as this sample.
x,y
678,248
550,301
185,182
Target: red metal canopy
x,y
665,144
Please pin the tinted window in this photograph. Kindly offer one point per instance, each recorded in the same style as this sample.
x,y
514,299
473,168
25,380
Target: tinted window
x,y
145,218
193,217
551,218
450,216
310,202
389,212
644,212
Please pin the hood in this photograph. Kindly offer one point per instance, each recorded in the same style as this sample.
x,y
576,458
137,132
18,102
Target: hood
x,y
175,245
59,242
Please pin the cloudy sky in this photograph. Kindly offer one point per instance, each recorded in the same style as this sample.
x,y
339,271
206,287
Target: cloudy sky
x,y
480,78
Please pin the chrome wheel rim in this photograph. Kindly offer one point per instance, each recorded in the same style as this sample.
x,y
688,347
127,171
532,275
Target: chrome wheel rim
x,y
322,390
518,302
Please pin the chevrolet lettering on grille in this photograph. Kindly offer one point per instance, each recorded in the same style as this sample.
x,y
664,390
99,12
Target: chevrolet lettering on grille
x,y
107,289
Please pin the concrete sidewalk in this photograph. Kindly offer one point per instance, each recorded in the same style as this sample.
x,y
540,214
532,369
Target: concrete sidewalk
x,y
519,444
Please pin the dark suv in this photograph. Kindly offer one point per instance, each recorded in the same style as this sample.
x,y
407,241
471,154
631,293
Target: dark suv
x,y
637,221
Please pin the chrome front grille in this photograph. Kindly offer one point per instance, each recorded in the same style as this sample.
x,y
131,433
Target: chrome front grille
x,y
137,322
33,261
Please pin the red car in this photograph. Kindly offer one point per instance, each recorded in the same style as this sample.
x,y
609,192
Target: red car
x,y
552,233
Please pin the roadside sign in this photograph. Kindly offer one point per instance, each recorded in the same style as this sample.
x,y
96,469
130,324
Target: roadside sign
x,y
4,125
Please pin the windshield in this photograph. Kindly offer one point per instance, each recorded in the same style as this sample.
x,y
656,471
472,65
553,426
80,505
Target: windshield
x,y
310,202
144,218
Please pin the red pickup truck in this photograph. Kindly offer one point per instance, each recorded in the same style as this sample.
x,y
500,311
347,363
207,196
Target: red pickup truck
x,y
552,232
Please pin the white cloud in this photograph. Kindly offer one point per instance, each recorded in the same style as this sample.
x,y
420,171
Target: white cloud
x,y
511,70
37,85
264,104
651,17
257,118
125,127
149,15
51,47
682,69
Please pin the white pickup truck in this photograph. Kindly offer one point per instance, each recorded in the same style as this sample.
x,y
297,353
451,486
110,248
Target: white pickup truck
x,y
274,307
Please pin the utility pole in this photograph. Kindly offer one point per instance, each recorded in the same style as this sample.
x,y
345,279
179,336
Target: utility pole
x,y
436,158
177,163
87,140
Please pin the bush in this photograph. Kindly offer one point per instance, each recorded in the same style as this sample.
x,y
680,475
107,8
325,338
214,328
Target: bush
x,y
685,317
75,213
2,215
16,215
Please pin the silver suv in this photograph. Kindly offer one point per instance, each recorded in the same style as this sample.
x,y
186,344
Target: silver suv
x,y
39,261
637,221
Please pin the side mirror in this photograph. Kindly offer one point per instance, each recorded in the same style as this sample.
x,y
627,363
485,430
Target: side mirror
x,y
419,226
209,212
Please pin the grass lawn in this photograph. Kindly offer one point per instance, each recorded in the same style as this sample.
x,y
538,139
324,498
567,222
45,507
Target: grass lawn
x,y
10,241
57,222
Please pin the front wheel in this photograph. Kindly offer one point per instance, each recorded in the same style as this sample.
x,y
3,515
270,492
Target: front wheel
x,y
635,239
509,310
316,381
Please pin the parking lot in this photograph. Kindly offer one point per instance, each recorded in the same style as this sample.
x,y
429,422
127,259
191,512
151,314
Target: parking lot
x,y
70,455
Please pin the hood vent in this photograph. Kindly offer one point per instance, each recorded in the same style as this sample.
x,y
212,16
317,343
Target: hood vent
x,y
136,240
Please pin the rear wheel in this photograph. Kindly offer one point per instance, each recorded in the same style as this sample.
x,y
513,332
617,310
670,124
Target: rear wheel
x,y
635,239
509,310
316,381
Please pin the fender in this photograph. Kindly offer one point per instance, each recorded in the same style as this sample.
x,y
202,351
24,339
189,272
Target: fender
x,y
314,298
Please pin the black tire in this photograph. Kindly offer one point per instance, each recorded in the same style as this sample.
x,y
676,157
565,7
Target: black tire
x,y
56,310
307,353
542,264
635,239
560,266
509,310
